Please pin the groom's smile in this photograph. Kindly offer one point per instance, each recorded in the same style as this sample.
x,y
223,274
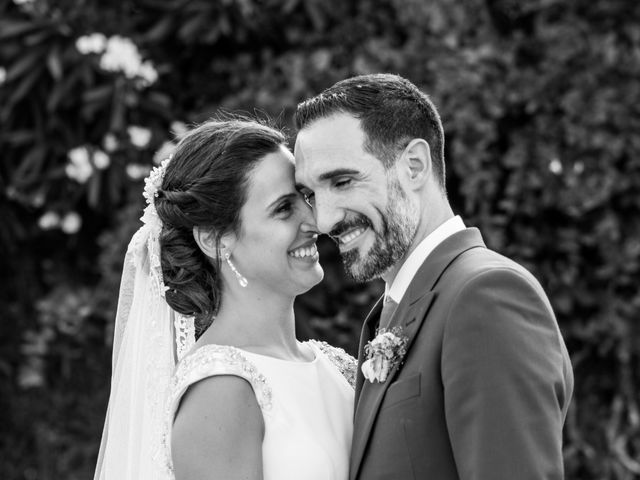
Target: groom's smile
x,y
355,199
349,237
348,232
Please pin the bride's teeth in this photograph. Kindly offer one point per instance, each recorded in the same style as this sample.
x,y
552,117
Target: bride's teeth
x,y
304,252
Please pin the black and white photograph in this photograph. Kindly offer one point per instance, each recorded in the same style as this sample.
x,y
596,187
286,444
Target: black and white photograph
x,y
320,240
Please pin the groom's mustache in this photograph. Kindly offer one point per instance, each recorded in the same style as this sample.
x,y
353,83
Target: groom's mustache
x,y
346,225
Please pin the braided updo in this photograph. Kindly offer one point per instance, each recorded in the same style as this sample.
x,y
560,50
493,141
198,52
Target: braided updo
x,y
205,185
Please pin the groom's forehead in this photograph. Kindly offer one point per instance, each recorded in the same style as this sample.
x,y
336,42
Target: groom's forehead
x,y
314,162
320,149
327,145
337,131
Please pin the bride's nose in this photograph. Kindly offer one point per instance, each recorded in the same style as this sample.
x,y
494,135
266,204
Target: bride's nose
x,y
308,223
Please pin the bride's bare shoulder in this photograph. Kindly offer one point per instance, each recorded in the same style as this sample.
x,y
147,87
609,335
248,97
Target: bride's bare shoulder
x,y
218,423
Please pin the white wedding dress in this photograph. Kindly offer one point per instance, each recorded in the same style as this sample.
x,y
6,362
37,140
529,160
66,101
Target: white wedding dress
x,y
307,406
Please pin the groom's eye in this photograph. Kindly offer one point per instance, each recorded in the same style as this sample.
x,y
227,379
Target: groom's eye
x,y
342,182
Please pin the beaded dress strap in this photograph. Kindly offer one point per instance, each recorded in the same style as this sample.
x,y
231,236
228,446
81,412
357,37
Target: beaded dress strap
x,y
208,361
345,363
211,360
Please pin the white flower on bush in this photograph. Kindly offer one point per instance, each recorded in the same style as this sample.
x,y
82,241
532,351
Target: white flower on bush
x,y
101,160
122,55
3,75
49,220
110,142
578,167
94,43
165,150
38,200
31,374
139,136
119,54
555,166
79,167
147,74
178,128
71,223
135,171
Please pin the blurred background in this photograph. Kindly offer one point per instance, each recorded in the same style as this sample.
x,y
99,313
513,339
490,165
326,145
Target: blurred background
x,y
540,100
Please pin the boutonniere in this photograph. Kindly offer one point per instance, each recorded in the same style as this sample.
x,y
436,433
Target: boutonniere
x,y
383,353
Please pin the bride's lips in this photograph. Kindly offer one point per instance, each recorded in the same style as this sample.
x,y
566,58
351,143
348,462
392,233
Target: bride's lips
x,y
307,252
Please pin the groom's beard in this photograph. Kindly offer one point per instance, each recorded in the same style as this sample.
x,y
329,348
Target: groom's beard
x,y
399,225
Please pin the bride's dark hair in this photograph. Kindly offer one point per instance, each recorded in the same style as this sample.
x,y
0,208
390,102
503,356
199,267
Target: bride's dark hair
x,y
205,185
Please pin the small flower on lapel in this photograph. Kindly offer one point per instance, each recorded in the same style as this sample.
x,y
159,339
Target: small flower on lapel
x,y
383,353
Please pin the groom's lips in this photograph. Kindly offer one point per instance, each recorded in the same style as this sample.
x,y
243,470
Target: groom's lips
x,y
347,231
346,234
351,235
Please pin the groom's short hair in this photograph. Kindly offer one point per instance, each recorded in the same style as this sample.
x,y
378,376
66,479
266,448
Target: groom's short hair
x,y
392,111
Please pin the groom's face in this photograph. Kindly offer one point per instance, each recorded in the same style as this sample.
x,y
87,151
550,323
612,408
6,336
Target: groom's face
x,y
355,200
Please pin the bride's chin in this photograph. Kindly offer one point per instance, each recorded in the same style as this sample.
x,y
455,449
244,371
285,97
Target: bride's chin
x,y
308,283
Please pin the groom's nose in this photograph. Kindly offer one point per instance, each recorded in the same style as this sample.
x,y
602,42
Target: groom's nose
x,y
327,213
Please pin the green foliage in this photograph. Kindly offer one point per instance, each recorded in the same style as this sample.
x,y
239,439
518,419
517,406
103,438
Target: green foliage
x,y
541,105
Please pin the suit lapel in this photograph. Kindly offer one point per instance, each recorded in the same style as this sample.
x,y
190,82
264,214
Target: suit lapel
x,y
410,315
410,319
368,332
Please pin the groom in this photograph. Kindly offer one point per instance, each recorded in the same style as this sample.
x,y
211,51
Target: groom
x,y
480,379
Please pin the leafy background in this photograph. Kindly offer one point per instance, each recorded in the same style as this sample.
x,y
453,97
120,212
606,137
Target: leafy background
x,y
541,105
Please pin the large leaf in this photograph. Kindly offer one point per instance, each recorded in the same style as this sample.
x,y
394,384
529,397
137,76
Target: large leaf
x,y
25,85
100,94
30,167
63,90
15,28
26,63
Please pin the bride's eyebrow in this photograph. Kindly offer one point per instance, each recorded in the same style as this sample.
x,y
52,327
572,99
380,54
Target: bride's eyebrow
x,y
281,198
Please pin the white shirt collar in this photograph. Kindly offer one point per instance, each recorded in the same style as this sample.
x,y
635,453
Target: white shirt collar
x,y
411,265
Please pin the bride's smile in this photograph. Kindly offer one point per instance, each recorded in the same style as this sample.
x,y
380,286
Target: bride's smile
x,y
276,245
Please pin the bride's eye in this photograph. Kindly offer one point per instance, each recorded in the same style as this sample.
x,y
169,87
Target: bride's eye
x,y
284,208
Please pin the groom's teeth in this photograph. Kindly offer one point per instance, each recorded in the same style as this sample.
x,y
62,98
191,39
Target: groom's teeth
x,y
352,236
304,251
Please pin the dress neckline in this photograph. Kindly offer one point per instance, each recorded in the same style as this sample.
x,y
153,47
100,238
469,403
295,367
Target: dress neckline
x,y
242,351
282,360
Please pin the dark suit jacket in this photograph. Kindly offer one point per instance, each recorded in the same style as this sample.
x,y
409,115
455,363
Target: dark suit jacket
x,y
484,388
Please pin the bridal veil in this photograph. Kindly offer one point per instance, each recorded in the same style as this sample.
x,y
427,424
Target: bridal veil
x,y
149,339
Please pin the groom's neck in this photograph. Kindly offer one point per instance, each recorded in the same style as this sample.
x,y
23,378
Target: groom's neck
x,y
430,220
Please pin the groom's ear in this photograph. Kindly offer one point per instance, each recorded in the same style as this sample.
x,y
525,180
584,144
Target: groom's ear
x,y
415,162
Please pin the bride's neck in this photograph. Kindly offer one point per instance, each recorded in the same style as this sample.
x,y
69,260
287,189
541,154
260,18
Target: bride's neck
x,y
260,323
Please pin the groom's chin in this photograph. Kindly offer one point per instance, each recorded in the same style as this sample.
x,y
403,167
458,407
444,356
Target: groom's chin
x,y
358,269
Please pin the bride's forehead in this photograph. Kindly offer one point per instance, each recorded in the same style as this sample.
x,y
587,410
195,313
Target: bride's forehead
x,y
274,166
272,176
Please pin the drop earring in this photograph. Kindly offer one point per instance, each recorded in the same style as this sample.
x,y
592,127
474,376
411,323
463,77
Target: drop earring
x,y
241,280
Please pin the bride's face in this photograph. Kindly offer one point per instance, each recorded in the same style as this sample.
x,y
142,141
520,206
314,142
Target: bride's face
x,y
276,246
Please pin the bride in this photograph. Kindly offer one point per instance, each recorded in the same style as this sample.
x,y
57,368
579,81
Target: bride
x,y
228,240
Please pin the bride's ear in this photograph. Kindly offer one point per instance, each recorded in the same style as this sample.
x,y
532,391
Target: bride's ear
x,y
207,241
